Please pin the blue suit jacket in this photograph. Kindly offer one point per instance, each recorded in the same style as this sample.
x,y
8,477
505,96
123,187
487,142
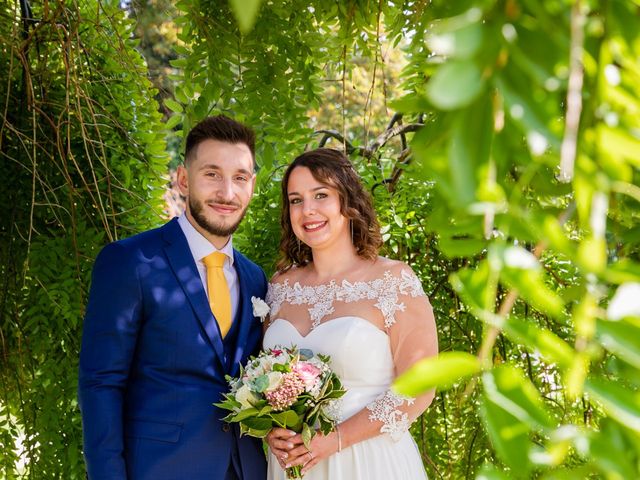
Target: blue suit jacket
x,y
153,362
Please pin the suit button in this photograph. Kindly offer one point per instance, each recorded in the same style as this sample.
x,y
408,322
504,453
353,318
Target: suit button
x,y
226,427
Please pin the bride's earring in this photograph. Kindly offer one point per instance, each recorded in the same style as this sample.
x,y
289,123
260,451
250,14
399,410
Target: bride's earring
x,y
298,240
351,226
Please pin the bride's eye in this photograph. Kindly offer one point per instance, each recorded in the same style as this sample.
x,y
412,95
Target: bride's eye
x,y
320,195
294,201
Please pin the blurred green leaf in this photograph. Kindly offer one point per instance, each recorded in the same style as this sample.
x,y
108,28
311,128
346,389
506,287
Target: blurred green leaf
x,y
550,346
619,402
508,388
621,338
455,85
461,247
476,286
490,472
457,42
442,372
519,269
508,434
609,449
469,149
173,105
246,13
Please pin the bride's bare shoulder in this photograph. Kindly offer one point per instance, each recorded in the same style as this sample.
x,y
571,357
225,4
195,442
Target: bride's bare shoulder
x,y
291,275
383,265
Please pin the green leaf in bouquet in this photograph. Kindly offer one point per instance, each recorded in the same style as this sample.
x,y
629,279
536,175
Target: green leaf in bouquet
x,y
264,409
229,403
257,423
513,392
621,338
242,414
620,403
441,371
307,434
254,432
279,367
287,419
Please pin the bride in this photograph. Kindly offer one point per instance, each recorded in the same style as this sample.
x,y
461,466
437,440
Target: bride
x,y
334,295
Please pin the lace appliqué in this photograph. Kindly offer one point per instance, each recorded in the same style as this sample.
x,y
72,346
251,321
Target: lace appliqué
x,y
385,290
385,409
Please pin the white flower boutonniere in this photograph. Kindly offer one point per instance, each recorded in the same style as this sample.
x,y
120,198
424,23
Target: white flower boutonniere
x,y
260,308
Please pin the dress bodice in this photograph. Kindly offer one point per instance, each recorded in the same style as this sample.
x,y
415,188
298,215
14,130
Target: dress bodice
x,y
360,355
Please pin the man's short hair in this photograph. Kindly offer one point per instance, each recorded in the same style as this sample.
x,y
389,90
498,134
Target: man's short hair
x,y
223,129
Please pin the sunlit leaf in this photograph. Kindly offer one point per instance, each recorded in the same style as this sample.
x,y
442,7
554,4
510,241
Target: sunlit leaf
x,y
246,13
621,338
508,434
455,85
550,346
508,388
620,403
442,372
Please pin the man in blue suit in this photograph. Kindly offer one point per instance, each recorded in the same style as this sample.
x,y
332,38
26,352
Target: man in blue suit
x,y
160,335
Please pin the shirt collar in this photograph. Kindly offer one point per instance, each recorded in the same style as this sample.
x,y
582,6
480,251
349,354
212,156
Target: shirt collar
x,y
201,247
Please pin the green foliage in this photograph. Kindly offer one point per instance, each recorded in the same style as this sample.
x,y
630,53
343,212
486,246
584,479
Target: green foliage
x,y
83,161
527,247
525,100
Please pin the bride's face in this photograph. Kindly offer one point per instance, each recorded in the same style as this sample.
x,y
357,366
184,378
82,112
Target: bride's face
x,y
314,211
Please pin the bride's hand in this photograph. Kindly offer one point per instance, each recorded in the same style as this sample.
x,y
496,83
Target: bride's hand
x,y
321,447
281,441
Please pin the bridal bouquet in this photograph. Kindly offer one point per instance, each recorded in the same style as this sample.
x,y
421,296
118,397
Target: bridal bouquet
x,y
284,387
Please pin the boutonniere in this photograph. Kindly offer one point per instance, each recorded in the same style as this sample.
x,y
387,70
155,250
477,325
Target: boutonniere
x,y
260,308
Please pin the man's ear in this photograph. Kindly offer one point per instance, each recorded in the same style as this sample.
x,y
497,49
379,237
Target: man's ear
x,y
183,180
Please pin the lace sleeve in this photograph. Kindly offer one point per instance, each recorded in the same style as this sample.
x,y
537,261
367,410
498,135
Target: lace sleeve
x,y
276,295
412,335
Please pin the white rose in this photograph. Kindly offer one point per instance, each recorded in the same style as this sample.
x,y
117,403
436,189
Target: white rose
x,y
245,396
260,308
275,379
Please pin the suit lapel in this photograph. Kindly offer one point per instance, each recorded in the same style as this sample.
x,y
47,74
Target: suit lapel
x,y
245,312
186,272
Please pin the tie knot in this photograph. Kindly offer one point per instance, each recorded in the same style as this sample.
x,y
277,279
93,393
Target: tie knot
x,y
215,260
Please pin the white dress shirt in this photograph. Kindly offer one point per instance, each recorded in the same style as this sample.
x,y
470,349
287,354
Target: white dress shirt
x,y
201,247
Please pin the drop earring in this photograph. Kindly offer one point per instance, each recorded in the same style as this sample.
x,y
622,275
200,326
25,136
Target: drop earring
x,y
351,226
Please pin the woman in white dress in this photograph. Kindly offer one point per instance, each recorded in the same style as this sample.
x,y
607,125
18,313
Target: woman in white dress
x,y
334,295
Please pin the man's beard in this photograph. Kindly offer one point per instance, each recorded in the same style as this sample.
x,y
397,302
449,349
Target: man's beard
x,y
196,208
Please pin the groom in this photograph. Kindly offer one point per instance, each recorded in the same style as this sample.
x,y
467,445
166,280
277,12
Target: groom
x,y
170,314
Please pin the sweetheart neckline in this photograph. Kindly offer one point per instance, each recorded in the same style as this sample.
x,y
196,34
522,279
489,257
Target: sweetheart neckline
x,y
336,319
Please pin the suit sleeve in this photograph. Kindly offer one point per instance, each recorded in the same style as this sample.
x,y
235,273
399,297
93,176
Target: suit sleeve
x,y
111,325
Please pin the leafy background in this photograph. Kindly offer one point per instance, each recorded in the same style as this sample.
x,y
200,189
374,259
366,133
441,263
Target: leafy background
x,y
508,180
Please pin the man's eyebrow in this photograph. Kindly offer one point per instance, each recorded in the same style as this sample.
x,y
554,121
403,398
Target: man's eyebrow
x,y
213,166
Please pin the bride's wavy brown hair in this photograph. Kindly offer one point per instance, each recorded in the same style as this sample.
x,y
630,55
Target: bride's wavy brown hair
x,y
334,169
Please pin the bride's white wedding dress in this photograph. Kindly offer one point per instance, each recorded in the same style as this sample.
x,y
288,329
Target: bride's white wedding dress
x,y
366,350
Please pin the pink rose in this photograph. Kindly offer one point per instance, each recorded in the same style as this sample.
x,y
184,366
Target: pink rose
x,y
307,372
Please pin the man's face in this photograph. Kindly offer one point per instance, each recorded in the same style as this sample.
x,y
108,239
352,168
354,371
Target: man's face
x,y
218,182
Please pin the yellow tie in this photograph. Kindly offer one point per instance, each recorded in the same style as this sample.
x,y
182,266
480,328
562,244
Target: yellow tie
x,y
219,297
